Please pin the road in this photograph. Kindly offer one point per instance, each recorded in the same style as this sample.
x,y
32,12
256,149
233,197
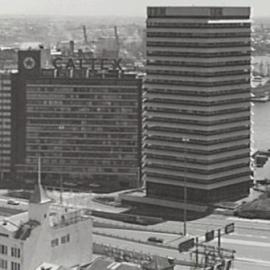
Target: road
x,y
251,239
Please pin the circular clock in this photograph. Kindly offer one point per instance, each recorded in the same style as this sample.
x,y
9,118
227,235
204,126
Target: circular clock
x,y
29,63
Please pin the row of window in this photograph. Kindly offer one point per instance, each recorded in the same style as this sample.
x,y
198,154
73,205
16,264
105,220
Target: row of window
x,y
180,63
243,71
201,25
202,161
67,115
163,44
15,252
78,97
198,84
79,90
92,110
93,162
2,101
89,170
64,239
199,103
163,177
199,132
81,151
203,93
73,144
3,264
238,139
82,161
205,171
198,35
88,82
15,266
73,132
4,129
73,103
198,122
80,139
195,151
198,54
5,139
66,123
150,108
4,152
81,136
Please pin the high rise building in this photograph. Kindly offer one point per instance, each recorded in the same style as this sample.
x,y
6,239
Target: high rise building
x,y
5,124
83,119
196,119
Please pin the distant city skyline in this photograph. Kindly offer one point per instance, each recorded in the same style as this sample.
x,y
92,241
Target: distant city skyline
x,y
260,8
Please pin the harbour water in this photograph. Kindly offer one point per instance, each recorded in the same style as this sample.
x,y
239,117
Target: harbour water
x,y
261,134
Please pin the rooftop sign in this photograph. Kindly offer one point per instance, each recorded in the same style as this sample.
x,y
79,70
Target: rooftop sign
x,y
93,64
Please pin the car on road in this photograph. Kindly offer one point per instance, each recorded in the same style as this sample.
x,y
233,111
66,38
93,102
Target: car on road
x,y
12,202
155,239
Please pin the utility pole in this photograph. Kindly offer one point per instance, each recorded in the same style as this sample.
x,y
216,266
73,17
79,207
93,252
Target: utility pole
x,y
61,127
185,140
197,251
219,240
61,189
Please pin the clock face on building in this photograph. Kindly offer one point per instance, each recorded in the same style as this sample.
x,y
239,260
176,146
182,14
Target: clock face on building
x,y
29,63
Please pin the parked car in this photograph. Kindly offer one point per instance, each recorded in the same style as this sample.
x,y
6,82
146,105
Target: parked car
x,y
12,202
155,239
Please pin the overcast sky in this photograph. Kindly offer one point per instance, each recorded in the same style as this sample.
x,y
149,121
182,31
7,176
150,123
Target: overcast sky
x,y
115,7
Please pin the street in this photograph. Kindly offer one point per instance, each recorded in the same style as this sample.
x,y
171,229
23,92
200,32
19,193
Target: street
x,y
251,239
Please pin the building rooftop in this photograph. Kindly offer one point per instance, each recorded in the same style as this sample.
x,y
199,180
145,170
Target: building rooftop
x,y
13,223
50,266
102,263
198,11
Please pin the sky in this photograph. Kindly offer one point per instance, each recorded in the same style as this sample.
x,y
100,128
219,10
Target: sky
x,y
116,7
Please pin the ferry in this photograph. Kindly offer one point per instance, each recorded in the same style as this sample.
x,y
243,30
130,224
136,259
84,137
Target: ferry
x,y
260,98
257,79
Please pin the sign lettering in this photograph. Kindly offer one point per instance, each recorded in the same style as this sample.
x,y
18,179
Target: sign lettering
x,y
94,64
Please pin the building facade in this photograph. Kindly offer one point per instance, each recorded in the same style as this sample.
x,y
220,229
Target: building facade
x,y
5,124
196,103
84,123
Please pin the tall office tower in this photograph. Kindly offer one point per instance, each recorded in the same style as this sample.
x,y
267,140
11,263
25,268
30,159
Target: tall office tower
x,y
82,118
196,123
5,124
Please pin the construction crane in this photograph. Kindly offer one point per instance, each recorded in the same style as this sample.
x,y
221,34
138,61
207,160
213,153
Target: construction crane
x,y
117,42
85,35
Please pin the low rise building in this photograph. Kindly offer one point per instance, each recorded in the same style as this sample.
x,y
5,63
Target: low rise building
x,y
46,233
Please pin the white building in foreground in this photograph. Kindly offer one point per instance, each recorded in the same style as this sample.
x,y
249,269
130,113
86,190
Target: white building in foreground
x,y
46,233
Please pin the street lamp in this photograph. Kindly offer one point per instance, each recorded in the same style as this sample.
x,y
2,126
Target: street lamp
x,y
185,140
